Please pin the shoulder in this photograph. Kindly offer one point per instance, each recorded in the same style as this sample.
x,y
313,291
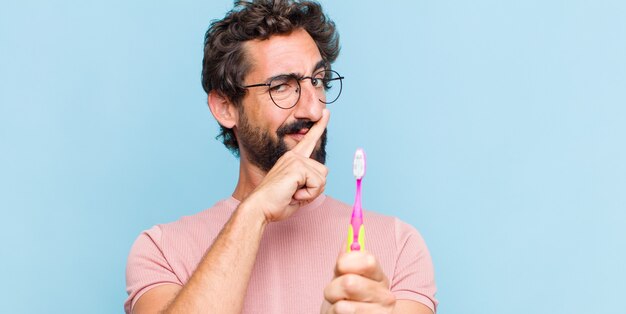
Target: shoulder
x,y
168,253
189,233
201,222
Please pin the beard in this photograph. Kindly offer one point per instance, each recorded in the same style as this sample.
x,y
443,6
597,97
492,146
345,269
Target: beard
x,y
263,151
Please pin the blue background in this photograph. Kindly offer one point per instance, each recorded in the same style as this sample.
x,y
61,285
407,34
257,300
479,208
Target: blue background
x,y
497,128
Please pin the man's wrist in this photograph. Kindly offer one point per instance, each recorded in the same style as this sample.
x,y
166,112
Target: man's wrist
x,y
251,209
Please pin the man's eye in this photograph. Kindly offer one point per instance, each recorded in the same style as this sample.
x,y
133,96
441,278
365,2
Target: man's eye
x,y
278,88
284,87
316,82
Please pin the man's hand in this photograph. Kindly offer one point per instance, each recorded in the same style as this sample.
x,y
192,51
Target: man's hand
x,y
295,179
359,286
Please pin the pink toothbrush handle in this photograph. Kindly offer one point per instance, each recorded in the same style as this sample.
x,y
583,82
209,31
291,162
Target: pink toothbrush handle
x,y
356,229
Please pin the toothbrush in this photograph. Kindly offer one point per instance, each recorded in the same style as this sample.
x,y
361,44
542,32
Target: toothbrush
x,y
356,230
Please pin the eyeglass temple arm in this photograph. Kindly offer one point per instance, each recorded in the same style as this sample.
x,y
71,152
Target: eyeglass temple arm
x,y
257,85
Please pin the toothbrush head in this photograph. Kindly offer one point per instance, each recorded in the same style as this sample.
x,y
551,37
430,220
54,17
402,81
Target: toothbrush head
x,y
358,167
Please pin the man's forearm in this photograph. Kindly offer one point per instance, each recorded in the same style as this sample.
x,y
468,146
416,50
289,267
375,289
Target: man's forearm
x,y
221,279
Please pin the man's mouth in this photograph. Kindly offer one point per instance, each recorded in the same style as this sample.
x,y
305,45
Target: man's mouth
x,y
295,130
298,135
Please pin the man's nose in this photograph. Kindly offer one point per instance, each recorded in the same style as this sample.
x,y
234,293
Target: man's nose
x,y
309,106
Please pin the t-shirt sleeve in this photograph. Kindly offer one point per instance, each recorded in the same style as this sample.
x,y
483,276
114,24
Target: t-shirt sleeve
x,y
147,267
414,277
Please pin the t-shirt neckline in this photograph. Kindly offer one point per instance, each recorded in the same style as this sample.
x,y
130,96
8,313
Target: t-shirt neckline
x,y
232,202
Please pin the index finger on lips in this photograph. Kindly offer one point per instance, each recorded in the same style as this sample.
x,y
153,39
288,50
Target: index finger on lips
x,y
360,263
306,146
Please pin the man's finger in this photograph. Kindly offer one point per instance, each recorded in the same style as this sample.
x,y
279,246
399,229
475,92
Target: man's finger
x,y
361,263
356,288
348,307
315,184
306,146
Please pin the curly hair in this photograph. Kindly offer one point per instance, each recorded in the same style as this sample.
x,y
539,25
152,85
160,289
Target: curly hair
x,y
224,65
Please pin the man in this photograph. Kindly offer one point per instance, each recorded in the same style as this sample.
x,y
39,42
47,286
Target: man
x,y
278,244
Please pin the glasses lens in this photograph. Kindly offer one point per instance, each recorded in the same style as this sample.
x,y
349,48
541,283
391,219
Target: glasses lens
x,y
285,91
332,86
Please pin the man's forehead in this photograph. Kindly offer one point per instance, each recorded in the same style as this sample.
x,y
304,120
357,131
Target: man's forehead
x,y
295,52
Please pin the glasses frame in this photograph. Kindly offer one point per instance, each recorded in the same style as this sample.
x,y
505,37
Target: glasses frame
x,y
298,79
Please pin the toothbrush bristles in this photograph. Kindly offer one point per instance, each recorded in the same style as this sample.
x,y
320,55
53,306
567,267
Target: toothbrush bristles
x,y
358,168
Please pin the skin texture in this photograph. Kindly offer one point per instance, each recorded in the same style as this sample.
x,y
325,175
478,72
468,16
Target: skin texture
x,y
222,276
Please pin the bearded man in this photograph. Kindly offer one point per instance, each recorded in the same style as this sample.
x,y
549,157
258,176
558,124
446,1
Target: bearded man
x,y
268,248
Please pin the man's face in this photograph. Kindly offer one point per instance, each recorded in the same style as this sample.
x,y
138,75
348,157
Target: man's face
x,y
264,131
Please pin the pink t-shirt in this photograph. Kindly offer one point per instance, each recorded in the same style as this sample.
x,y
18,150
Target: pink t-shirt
x,y
296,258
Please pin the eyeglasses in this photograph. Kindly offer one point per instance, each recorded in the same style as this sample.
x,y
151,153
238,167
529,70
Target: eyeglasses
x,y
285,89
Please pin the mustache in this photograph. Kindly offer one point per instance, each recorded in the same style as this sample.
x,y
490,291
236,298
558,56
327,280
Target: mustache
x,y
294,127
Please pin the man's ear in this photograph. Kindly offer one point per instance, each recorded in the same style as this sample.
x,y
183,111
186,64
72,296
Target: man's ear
x,y
222,109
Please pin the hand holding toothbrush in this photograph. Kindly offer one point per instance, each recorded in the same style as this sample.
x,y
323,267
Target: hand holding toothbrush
x,y
359,286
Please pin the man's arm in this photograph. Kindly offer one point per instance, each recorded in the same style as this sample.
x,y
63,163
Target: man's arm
x,y
219,283
221,279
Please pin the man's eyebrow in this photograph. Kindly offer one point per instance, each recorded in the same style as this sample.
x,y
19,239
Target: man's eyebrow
x,y
269,79
319,65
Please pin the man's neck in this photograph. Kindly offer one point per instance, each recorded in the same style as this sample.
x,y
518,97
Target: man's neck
x,y
250,177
